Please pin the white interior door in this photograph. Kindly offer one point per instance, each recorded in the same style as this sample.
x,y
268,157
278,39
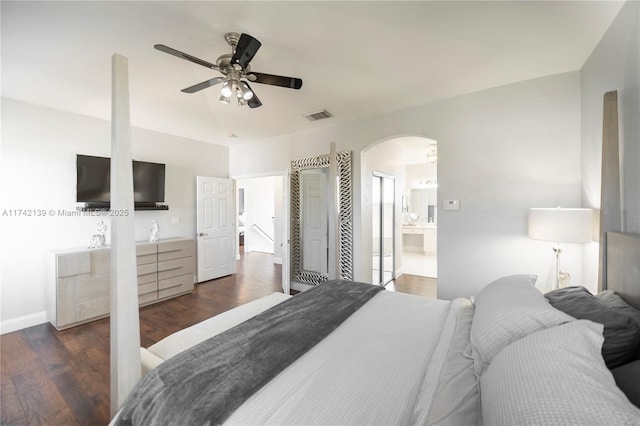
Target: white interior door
x,y
314,221
216,227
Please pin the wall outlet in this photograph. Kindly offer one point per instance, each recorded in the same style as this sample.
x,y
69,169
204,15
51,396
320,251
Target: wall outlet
x,y
452,205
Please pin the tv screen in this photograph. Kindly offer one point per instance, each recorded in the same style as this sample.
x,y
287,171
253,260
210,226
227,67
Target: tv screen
x,y
93,175
148,182
93,184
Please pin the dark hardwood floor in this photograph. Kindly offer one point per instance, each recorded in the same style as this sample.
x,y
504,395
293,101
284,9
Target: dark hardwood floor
x,y
51,377
414,284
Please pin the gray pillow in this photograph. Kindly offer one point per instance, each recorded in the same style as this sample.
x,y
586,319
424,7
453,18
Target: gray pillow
x,y
621,333
618,304
628,380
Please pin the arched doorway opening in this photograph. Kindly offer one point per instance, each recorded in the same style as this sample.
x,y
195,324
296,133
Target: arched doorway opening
x,y
399,181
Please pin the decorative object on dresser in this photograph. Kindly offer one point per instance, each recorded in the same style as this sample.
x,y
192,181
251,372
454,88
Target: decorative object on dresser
x,y
154,231
98,240
79,290
561,226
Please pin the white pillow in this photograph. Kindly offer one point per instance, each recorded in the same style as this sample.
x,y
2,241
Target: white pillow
x,y
509,309
555,376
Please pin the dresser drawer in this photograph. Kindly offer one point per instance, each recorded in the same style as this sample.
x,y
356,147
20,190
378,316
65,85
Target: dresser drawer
x,y
169,250
146,253
101,262
174,268
81,297
147,298
147,288
175,285
148,268
73,264
93,308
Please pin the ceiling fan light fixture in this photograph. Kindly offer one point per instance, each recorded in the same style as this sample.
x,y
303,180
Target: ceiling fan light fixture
x,y
227,89
247,93
235,69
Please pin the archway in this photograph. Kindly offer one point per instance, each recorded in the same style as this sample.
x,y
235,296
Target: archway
x,y
411,162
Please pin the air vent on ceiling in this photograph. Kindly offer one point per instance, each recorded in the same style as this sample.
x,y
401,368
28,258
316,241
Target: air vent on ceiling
x,y
318,115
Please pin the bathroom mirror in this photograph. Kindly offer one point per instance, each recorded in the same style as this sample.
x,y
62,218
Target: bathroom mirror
x,y
310,249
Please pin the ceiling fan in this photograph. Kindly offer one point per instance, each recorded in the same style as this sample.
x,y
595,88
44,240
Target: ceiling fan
x,y
236,70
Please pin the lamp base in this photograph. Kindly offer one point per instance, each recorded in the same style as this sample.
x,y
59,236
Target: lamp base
x,y
560,278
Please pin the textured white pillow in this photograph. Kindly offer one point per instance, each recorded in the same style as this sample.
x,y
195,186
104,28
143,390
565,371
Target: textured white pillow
x,y
509,309
555,376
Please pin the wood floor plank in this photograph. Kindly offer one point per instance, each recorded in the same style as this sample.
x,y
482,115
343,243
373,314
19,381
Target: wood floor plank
x,y
11,412
41,400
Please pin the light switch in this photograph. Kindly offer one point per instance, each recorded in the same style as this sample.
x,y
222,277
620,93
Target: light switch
x,y
452,205
175,220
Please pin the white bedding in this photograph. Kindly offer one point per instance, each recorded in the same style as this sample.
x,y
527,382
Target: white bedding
x,y
400,359
383,377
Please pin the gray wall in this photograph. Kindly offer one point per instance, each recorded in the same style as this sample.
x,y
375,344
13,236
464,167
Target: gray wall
x,y
39,147
501,151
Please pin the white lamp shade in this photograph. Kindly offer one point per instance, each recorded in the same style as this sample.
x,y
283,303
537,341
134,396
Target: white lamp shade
x,y
561,225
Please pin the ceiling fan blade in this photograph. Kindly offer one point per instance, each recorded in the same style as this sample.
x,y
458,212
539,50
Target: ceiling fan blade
x,y
254,102
245,50
203,85
174,52
276,80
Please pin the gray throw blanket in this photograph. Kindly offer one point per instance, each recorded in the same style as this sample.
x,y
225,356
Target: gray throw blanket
x,y
206,383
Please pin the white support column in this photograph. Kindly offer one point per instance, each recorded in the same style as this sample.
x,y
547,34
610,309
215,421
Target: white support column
x,y
333,236
125,323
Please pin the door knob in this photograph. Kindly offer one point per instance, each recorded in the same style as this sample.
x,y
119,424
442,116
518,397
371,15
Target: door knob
x,y
201,234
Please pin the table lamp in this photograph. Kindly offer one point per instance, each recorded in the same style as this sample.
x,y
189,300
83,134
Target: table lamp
x,y
561,226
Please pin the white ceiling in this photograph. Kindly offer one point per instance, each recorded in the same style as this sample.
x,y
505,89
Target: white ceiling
x,y
356,59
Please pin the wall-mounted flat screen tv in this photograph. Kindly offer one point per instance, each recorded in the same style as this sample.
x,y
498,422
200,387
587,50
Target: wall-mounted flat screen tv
x,y
93,181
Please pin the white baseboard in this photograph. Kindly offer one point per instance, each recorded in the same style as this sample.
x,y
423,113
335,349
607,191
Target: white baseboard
x,y
277,260
26,321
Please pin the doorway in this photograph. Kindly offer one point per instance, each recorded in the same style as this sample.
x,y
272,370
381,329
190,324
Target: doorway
x,y
412,161
259,218
383,229
419,209
262,220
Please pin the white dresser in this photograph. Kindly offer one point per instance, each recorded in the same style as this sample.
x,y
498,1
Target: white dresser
x,y
79,287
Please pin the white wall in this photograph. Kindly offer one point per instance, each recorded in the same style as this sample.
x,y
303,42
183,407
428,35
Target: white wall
x,y
39,147
500,152
613,65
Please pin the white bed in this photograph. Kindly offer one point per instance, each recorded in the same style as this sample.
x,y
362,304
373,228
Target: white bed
x,y
508,358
